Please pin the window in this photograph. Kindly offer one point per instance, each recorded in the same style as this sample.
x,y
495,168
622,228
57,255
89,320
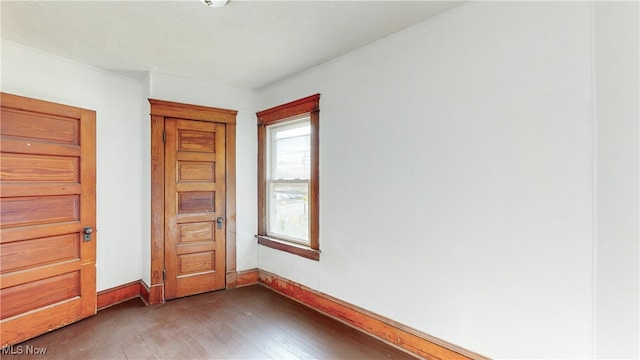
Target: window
x,y
288,177
288,172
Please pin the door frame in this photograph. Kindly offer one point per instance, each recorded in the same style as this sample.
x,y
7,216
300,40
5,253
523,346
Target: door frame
x,y
160,110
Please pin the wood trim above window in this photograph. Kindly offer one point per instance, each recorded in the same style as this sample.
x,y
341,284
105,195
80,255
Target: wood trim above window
x,y
286,111
308,106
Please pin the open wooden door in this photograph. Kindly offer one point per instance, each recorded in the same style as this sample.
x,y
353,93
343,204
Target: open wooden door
x,y
194,207
47,214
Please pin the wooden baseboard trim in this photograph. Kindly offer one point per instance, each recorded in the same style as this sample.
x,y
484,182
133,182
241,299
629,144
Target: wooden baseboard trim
x,y
247,277
152,295
144,292
231,279
118,294
387,330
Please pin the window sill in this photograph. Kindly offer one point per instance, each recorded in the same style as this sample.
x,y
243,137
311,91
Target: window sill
x,y
291,248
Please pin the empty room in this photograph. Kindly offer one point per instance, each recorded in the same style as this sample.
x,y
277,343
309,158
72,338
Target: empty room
x,y
231,179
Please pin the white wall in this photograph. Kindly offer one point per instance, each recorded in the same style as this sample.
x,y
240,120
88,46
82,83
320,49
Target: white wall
x,y
456,178
618,257
32,73
178,89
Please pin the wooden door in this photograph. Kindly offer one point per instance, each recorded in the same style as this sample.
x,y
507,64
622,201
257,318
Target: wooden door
x,y
194,208
47,197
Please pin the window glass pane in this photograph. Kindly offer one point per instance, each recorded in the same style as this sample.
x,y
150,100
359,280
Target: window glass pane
x,y
289,210
290,151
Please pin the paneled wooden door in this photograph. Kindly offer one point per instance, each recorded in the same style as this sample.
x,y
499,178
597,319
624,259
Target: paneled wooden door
x,y
194,207
48,195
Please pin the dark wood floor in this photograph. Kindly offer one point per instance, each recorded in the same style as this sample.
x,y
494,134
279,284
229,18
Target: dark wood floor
x,y
246,323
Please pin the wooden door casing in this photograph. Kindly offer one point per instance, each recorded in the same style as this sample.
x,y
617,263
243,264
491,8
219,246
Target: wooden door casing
x,y
195,199
48,192
161,110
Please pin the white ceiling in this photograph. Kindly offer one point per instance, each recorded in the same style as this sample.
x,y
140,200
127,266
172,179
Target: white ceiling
x,y
248,44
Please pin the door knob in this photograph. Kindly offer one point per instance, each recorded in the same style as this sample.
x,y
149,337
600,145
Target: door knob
x,y
87,230
219,221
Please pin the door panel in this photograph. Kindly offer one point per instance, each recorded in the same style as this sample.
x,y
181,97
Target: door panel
x,y
27,124
45,292
39,168
49,250
47,190
40,210
195,198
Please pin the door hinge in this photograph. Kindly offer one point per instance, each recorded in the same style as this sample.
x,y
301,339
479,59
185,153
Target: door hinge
x,y
164,274
164,137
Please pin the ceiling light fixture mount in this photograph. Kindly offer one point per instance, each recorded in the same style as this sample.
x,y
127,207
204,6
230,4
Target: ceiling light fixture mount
x,y
215,3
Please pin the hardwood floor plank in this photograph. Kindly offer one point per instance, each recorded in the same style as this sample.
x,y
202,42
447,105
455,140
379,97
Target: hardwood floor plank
x,y
260,335
136,348
311,333
251,322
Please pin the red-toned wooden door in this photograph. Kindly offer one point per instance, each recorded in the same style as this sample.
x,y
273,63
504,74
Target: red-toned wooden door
x,y
194,207
47,198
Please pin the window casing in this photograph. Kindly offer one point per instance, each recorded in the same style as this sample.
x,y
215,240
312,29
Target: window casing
x,y
288,210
